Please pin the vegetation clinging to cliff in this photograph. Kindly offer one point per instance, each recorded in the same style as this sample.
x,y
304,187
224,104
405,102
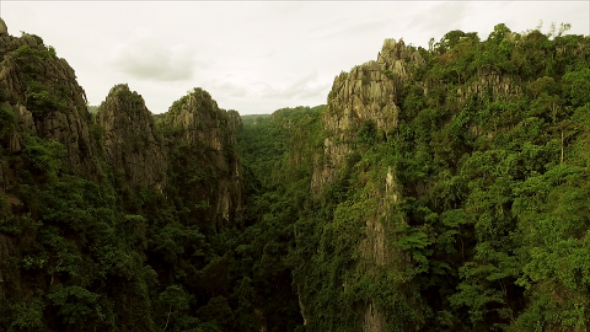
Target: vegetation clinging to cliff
x,y
490,162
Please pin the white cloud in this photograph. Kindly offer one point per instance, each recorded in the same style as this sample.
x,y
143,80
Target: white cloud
x,y
307,86
144,56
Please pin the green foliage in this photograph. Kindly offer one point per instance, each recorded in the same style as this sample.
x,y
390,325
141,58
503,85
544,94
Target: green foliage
x,y
576,87
463,171
93,109
460,167
42,103
7,120
278,181
122,92
39,98
389,74
203,98
77,306
449,40
367,132
28,316
218,312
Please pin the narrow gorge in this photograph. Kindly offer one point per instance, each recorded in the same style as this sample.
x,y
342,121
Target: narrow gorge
x,y
440,189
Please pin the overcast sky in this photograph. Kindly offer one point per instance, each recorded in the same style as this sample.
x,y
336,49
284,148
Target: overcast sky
x,y
254,57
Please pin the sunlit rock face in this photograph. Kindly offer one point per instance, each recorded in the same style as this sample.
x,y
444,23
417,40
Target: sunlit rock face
x,y
372,90
368,92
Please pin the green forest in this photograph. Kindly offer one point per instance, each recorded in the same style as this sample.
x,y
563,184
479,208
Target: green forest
x,y
458,200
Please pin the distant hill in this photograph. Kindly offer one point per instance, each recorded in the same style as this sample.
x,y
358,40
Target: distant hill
x,y
93,109
254,118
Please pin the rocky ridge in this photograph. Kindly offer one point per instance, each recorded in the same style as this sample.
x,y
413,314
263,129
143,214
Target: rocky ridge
x,y
42,92
197,121
130,142
368,92
375,92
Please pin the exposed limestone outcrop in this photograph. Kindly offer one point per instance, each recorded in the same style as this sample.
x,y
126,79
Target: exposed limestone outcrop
x,y
141,152
373,320
234,120
200,119
372,92
196,119
104,164
42,91
369,91
130,141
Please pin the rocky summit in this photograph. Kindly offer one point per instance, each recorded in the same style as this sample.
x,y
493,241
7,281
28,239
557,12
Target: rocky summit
x,y
440,189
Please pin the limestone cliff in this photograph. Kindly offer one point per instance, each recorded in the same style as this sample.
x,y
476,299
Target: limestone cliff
x,y
143,153
382,95
41,91
372,91
195,121
41,98
368,92
70,180
150,194
131,145
3,28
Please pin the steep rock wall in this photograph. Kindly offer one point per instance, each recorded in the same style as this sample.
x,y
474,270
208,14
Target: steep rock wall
x,y
368,92
144,153
196,120
112,182
131,144
41,102
42,91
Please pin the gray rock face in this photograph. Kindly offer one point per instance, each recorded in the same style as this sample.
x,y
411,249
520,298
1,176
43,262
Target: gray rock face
x,y
130,143
67,124
141,156
234,120
200,121
369,91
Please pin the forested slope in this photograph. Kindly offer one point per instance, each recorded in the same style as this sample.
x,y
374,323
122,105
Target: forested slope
x,y
108,221
444,189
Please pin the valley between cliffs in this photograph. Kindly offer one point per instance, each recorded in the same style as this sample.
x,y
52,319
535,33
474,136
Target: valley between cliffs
x,y
437,190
